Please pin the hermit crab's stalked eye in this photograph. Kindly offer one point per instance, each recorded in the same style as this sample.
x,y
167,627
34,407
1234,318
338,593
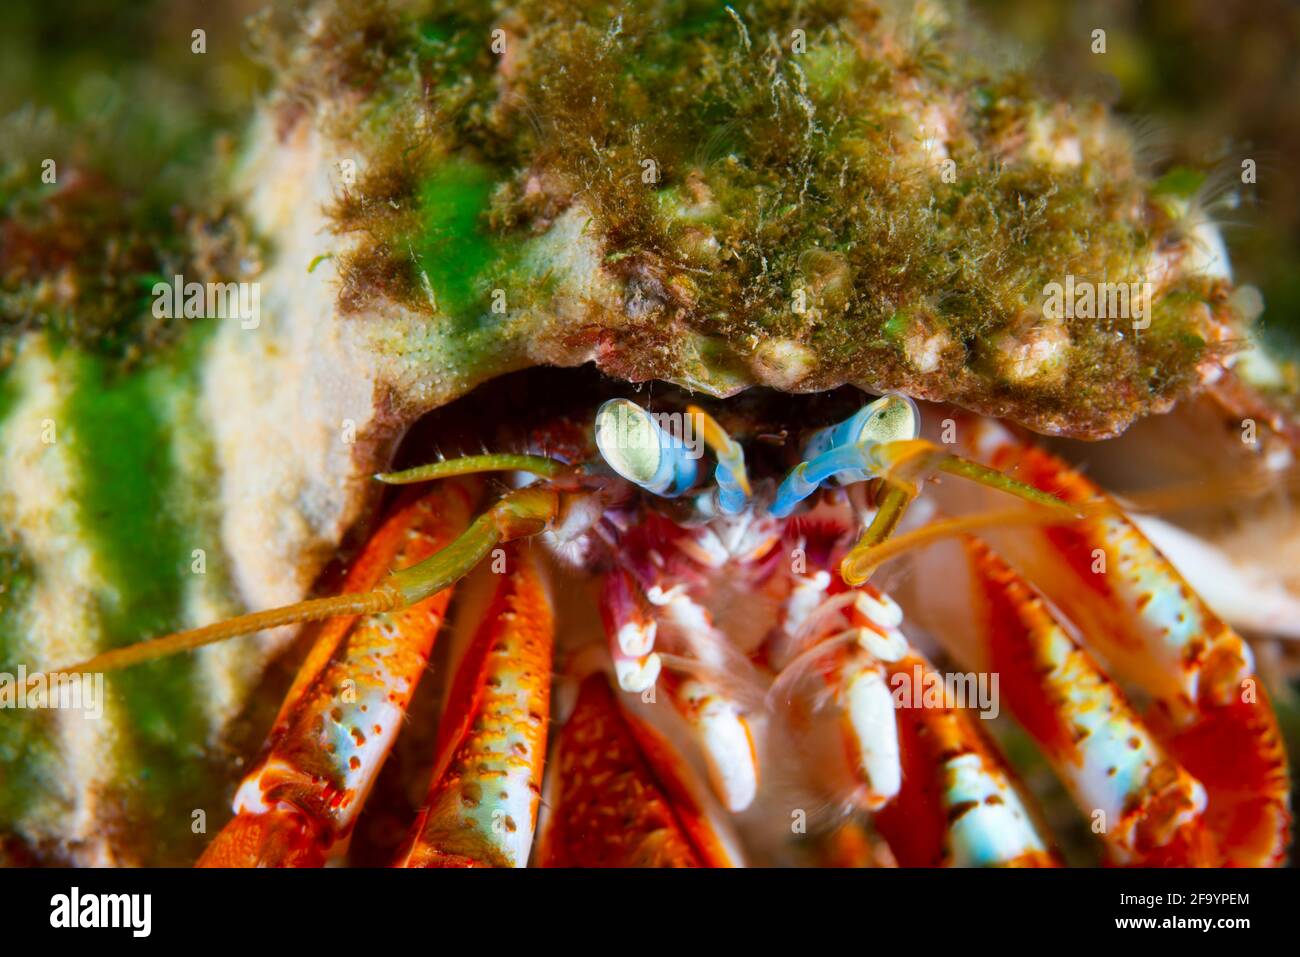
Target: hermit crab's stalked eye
x,y
635,446
891,418
843,452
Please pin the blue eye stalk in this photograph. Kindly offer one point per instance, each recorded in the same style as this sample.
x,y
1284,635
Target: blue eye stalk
x,y
845,453
635,445
640,450
880,440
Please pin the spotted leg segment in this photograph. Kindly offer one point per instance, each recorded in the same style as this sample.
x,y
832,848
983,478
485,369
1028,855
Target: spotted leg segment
x,y
298,804
631,628
482,807
611,807
958,806
1157,635
1146,807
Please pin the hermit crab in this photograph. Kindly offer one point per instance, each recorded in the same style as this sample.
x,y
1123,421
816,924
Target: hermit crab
x,y
749,594
663,422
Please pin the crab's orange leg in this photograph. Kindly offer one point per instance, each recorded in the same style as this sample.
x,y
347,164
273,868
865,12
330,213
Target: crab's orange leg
x,y
1159,636
345,708
1235,750
611,808
482,807
957,805
1146,806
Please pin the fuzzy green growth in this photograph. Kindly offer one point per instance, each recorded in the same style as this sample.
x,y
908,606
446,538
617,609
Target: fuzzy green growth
x,y
79,263
79,256
830,177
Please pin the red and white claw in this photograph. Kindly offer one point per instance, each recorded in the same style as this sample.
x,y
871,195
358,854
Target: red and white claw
x,y
941,795
958,805
848,728
630,627
710,697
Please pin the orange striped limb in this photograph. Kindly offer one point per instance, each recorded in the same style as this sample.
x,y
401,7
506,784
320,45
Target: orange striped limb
x,y
611,808
1113,583
1158,635
958,806
345,708
1152,808
482,807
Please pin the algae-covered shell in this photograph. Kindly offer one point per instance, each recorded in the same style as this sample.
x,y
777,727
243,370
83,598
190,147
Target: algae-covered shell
x,y
779,194
798,195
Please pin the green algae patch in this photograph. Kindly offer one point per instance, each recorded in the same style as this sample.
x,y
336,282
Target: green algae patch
x,y
454,248
105,189
8,394
128,487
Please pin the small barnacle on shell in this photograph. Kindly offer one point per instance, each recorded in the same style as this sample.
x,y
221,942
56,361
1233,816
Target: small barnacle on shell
x,y
1039,352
